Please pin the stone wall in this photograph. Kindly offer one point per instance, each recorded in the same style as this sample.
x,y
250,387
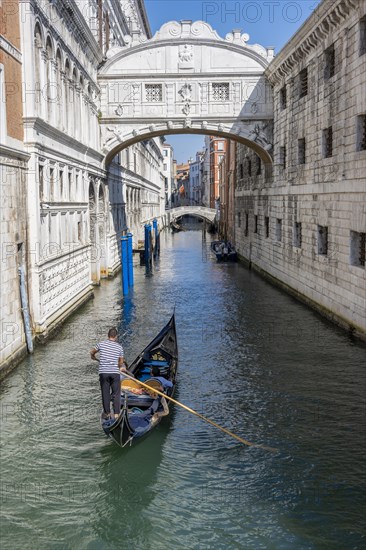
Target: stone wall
x,y
305,226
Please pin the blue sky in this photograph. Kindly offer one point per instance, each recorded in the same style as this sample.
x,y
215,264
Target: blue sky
x,y
268,22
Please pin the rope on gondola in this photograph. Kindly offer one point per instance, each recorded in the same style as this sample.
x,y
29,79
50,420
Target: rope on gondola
x,y
228,432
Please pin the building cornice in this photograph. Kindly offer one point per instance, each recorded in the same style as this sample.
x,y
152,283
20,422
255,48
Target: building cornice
x,y
74,20
320,24
45,129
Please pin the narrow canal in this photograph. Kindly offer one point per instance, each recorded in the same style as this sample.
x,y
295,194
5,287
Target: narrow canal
x,y
252,359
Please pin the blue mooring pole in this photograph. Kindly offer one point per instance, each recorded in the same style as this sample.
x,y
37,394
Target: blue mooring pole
x,y
124,259
146,244
155,226
129,258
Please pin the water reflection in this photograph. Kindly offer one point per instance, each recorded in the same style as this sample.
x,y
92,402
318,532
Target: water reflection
x,y
251,358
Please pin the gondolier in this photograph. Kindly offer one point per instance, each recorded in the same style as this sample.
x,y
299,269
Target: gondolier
x,y
110,362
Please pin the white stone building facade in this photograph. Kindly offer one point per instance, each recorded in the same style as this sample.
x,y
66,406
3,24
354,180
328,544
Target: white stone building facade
x,y
305,226
73,210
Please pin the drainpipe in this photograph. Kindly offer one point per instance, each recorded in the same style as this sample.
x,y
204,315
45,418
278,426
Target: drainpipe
x,y
25,309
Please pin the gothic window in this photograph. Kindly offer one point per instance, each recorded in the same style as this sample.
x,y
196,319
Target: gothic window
x,y
303,83
329,68
328,142
220,91
154,93
322,240
283,98
297,240
50,90
358,249
361,133
301,154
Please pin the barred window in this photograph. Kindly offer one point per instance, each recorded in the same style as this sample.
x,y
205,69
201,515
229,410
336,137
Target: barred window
x,y
301,152
361,133
297,241
283,156
278,229
259,166
154,93
283,98
220,91
358,249
329,68
322,240
303,83
328,142
362,48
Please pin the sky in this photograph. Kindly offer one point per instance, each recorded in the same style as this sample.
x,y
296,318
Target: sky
x,y
268,22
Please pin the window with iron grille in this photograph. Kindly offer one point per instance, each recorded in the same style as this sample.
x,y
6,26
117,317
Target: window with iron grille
x,y
255,224
297,240
362,47
329,68
154,93
258,166
328,142
246,223
322,240
303,82
249,166
278,230
358,249
283,98
301,158
266,226
220,91
283,156
361,133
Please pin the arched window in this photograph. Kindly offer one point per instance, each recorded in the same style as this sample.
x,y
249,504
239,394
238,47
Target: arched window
x,y
38,42
76,109
67,94
59,88
49,86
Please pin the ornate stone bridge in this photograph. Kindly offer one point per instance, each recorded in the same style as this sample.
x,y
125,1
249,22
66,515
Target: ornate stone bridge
x,y
187,79
199,211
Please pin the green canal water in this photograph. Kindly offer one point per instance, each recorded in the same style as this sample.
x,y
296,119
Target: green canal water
x,y
252,359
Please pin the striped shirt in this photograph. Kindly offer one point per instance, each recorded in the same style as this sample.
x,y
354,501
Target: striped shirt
x,y
109,353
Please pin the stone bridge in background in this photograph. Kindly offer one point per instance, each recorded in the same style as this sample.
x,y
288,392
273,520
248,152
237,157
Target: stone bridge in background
x,y
187,80
202,212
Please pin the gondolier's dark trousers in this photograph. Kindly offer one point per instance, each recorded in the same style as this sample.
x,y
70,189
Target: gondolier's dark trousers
x,y
108,382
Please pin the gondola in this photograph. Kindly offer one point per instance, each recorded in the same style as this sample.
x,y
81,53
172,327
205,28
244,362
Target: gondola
x,y
224,251
176,227
143,409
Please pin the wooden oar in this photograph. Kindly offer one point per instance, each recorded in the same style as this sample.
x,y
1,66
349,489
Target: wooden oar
x,y
244,441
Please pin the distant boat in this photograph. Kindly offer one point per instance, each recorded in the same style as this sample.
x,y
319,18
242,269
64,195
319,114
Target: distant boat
x,y
224,251
176,227
139,405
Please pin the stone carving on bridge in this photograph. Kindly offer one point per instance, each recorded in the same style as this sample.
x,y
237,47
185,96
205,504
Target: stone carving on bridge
x,y
119,110
186,93
259,134
186,54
